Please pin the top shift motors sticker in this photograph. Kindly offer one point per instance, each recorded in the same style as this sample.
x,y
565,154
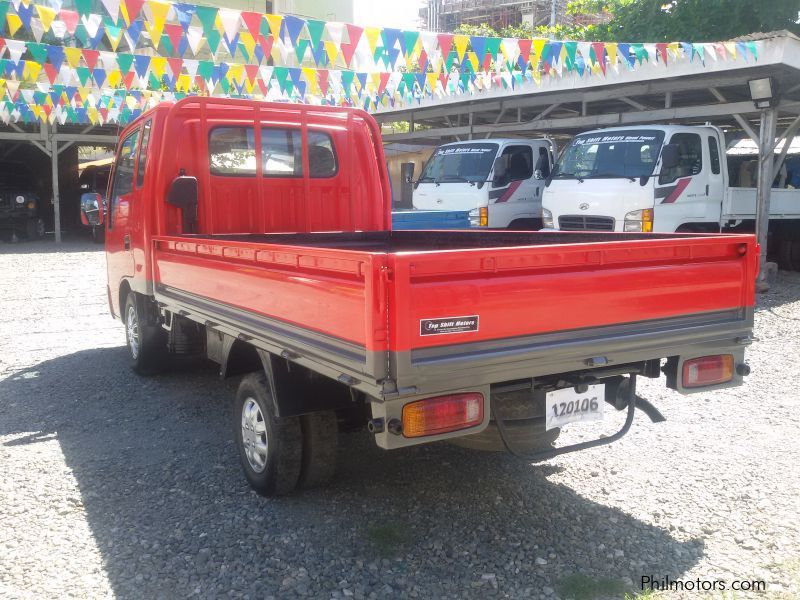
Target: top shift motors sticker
x,y
448,325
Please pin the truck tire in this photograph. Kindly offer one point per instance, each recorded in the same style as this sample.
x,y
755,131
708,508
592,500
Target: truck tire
x,y
320,441
270,448
788,255
34,229
145,338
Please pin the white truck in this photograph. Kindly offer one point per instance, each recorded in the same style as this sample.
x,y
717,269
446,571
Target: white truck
x,y
499,181
664,178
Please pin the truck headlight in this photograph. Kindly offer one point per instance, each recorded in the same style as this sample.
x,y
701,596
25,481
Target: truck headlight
x,y
639,220
479,217
547,219
20,199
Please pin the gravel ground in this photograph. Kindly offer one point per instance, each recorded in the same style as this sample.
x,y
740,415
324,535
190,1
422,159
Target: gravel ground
x,y
115,485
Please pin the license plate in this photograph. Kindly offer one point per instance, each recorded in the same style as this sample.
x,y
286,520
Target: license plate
x,y
568,406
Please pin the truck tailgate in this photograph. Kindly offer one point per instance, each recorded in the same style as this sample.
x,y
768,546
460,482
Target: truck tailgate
x,y
473,317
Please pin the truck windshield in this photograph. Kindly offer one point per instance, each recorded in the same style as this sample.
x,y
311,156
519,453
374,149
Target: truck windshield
x,y
460,162
614,154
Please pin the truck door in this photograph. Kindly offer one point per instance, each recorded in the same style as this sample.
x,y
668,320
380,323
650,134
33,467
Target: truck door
x,y
121,217
515,196
681,192
716,182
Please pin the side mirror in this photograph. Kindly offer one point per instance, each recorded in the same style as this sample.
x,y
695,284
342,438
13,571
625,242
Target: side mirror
x,y
183,194
670,156
407,170
92,213
500,170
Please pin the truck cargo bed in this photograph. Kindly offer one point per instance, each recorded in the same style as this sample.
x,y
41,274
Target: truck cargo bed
x,y
410,312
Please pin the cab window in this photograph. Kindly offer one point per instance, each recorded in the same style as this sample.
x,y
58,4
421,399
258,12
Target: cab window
x,y
713,153
281,152
123,173
690,157
520,162
322,160
143,154
232,151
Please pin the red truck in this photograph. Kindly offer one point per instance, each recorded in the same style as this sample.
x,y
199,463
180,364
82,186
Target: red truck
x,y
258,235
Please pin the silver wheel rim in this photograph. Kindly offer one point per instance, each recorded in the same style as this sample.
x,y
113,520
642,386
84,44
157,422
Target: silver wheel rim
x,y
254,435
132,332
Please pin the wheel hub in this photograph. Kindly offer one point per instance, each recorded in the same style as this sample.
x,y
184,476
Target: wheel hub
x,y
254,435
132,332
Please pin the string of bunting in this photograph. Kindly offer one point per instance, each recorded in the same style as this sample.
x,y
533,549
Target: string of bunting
x,y
70,65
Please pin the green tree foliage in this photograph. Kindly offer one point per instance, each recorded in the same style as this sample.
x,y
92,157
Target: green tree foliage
x,y
662,20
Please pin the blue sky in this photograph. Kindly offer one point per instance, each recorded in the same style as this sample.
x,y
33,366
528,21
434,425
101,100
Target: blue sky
x,y
402,14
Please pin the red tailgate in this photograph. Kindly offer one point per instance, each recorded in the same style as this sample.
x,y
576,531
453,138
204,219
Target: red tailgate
x,y
459,297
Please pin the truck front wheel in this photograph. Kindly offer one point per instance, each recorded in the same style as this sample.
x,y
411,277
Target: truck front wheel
x,y
270,448
146,340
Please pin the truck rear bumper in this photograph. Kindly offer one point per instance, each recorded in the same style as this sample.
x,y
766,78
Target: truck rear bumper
x,y
424,371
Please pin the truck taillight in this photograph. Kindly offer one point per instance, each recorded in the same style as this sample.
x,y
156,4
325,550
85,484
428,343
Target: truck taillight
x,y
707,370
442,414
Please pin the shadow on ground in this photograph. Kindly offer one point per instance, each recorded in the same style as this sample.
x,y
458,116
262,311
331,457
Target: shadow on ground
x,y
172,514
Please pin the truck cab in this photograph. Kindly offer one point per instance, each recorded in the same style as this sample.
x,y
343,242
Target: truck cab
x,y
621,179
499,181
666,178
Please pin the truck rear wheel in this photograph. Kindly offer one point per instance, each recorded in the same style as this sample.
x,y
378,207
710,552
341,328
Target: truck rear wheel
x,y
270,448
145,338
320,441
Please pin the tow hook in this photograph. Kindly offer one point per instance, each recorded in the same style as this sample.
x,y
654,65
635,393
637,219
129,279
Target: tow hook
x,y
620,401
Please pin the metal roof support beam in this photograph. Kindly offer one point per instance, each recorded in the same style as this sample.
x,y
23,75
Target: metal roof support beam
x,y
765,166
545,112
634,103
739,118
592,121
23,136
787,136
450,123
629,90
668,100
500,116
54,169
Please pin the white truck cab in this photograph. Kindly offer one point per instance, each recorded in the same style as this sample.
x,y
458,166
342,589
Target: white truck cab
x,y
623,179
665,178
500,181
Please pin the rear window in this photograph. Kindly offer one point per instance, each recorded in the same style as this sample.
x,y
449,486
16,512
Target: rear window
x,y
281,152
232,151
322,160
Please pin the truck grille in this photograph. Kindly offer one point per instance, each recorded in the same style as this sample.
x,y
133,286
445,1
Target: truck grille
x,y
6,200
583,222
